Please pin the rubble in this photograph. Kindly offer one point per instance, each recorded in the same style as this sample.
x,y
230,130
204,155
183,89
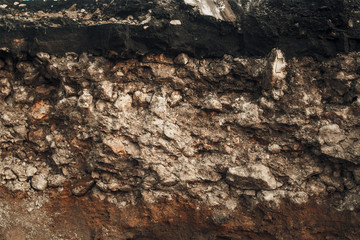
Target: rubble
x,y
173,121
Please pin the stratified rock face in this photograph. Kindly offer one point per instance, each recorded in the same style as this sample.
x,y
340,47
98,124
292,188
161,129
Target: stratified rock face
x,y
164,140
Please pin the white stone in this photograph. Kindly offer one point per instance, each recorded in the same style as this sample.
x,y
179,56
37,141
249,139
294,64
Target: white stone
x,y
218,9
175,22
39,182
85,100
330,134
249,115
274,148
256,176
182,59
56,180
30,171
212,103
106,90
158,106
171,130
123,103
279,66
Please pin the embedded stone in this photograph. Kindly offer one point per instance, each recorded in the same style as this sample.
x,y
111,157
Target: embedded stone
x,y
255,177
39,182
5,88
82,186
56,180
330,134
41,110
123,103
115,144
85,100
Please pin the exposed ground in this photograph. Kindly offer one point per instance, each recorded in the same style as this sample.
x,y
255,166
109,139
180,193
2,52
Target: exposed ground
x,y
172,120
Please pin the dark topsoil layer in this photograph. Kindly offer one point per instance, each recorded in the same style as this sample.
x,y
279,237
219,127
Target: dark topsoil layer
x,y
320,28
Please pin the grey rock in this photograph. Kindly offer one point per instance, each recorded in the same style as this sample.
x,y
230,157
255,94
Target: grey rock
x,y
85,100
56,180
5,88
159,106
330,134
255,176
181,59
123,103
39,182
212,102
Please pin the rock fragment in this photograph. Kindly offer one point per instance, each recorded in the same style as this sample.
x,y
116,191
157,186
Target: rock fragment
x,y
105,90
5,88
56,180
255,177
249,114
330,134
115,144
158,106
85,100
212,102
82,186
123,103
39,182
181,59
41,110
172,131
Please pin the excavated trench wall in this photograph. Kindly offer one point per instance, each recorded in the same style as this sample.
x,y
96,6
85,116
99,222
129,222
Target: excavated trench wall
x,y
184,126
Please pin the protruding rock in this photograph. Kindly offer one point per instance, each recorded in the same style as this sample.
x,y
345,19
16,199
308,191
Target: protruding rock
x,y
171,130
123,103
82,186
162,71
181,59
175,98
274,148
105,90
43,56
30,171
255,177
56,180
330,135
85,100
212,102
140,98
9,174
5,88
276,70
41,110
159,106
39,182
249,114
115,144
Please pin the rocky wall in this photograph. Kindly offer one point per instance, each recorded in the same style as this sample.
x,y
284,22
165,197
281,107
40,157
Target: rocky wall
x,y
114,144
